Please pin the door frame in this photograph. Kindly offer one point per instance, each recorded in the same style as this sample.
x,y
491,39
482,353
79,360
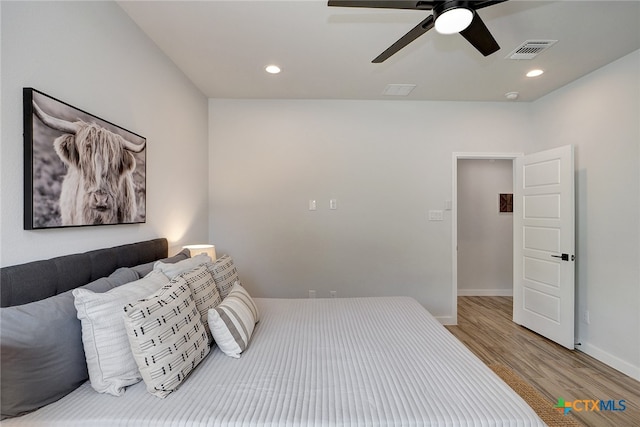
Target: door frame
x,y
454,214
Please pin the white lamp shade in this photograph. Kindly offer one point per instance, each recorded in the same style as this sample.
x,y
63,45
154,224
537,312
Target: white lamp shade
x,y
202,249
453,20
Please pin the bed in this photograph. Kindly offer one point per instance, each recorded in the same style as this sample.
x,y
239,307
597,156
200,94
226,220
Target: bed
x,y
313,362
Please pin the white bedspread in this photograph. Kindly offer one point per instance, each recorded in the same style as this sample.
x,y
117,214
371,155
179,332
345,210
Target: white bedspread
x,y
318,362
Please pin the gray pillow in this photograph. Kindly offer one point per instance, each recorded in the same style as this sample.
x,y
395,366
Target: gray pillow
x,y
144,269
41,347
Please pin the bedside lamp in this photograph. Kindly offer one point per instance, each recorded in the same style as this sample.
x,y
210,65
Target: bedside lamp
x,y
202,249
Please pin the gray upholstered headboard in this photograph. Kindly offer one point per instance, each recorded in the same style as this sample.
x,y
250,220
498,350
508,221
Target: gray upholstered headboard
x,y
37,280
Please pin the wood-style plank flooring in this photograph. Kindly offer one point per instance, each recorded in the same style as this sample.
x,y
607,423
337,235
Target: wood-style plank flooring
x,y
486,328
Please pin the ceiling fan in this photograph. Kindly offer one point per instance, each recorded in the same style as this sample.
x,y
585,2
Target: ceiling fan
x,y
449,17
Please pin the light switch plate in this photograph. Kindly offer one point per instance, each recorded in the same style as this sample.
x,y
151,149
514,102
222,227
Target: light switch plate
x,y
436,215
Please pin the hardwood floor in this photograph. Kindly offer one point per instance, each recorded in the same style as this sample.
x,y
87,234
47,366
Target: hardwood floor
x,y
485,327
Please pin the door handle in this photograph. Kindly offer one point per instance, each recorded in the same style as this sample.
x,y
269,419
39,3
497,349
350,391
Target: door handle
x,y
564,257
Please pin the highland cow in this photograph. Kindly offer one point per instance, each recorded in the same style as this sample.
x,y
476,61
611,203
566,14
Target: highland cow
x,y
98,186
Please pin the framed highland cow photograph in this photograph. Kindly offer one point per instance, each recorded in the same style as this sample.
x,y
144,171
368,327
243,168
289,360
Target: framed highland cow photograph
x,y
79,169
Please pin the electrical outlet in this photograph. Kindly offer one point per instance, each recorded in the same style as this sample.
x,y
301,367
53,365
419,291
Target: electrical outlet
x,y
312,293
333,294
586,316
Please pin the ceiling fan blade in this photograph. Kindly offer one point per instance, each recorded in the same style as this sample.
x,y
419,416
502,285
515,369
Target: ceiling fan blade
x,y
480,4
479,36
416,32
389,4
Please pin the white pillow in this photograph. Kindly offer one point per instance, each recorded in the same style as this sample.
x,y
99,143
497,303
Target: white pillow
x,y
167,337
109,360
224,273
232,321
172,270
204,291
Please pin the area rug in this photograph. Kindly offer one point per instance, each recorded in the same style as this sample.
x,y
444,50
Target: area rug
x,y
542,406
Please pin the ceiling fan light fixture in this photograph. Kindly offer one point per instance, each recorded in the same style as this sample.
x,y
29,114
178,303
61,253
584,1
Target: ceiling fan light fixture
x,y
453,20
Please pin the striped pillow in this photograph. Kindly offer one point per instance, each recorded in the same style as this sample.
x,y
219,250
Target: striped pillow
x,y
232,322
167,337
111,365
224,273
204,291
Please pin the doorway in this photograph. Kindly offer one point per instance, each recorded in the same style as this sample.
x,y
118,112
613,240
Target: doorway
x,y
485,227
478,225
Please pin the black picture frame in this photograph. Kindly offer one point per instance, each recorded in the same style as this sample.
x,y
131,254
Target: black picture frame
x,y
109,188
506,203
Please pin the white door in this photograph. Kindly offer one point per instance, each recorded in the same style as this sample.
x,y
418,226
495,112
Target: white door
x,y
544,243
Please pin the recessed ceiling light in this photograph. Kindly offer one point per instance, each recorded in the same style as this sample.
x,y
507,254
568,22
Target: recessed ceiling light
x,y
272,69
535,73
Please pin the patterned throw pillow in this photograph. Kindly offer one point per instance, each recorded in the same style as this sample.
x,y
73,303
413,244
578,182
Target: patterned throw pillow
x,y
167,337
224,273
232,322
204,291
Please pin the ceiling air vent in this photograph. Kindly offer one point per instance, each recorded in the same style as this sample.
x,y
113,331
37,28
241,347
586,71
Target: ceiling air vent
x,y
530,49
398,89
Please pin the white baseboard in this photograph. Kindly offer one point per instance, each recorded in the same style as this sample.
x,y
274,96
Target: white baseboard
x,y
446,320
611,360
485,292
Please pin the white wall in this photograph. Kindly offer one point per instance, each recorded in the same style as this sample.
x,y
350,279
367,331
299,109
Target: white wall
x,y
91,55
599,114
485,235
386,162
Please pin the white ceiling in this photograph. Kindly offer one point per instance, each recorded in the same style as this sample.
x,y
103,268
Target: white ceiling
x,y
326,53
